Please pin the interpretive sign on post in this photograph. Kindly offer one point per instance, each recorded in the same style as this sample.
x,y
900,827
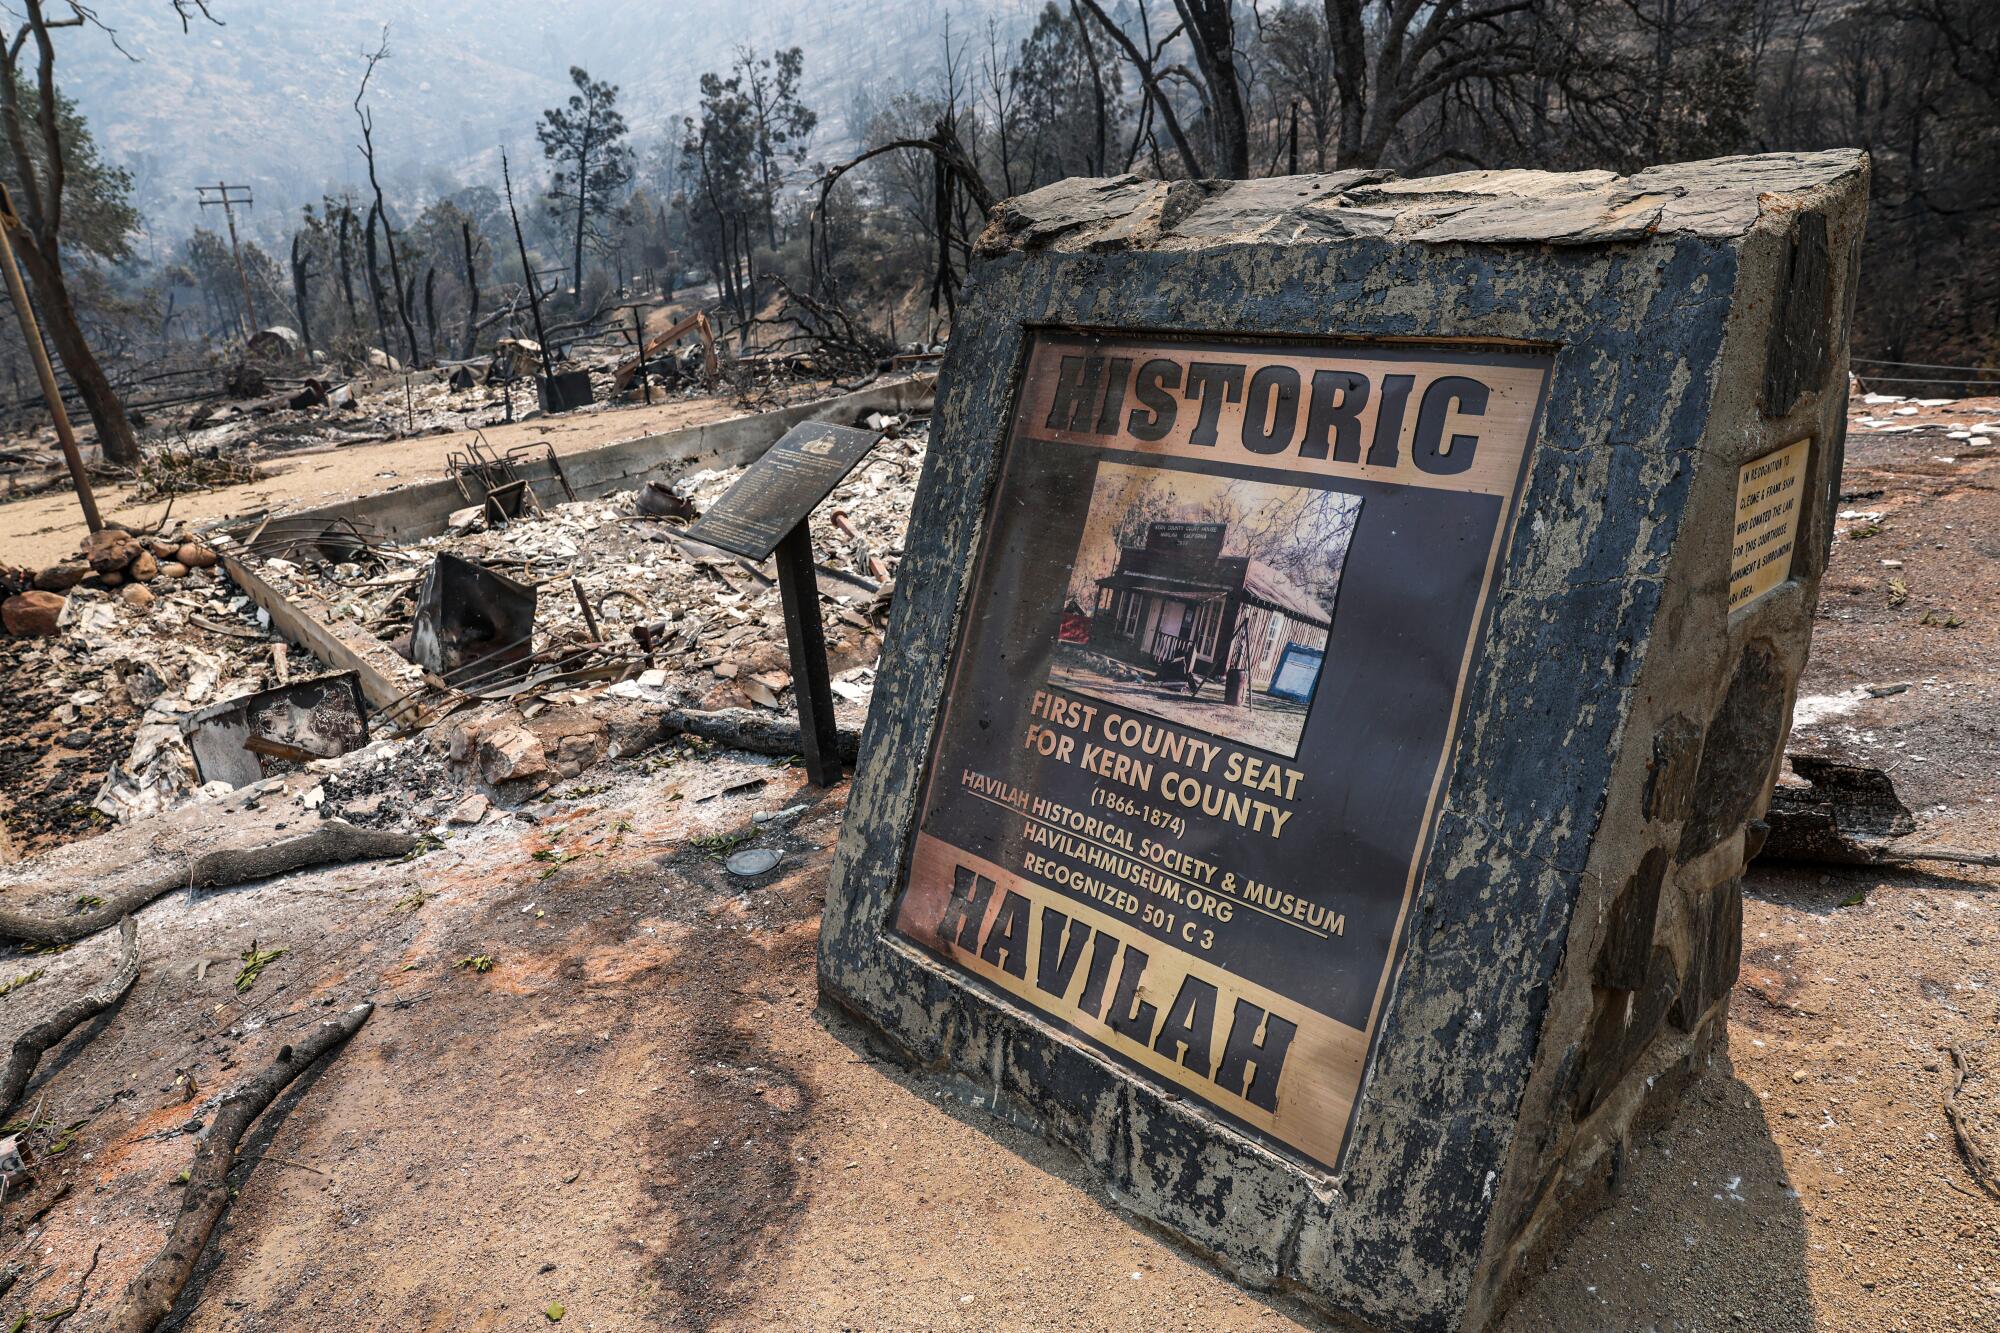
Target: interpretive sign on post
x,y
766,511
1344,644
781,489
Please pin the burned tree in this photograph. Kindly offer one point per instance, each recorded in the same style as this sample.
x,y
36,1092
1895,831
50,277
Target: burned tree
x,y
381,209
347,260
302,288
465,343
1211,31
1389,63
585,142
720,149
65,193
375,277
783,124
1146,61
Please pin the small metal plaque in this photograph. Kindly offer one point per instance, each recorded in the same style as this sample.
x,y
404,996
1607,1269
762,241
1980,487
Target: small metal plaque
x,y
1767,522
778,490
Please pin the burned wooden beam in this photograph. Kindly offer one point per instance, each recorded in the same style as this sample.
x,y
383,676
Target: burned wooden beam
x,y
1848,815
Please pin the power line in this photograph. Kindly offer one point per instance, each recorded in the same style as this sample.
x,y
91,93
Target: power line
x,y
1914,379
1911,365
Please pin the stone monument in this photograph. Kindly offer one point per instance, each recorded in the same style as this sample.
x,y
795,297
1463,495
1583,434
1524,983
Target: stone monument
x,y
1345,643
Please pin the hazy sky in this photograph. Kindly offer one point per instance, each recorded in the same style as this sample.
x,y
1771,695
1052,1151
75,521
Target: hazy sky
x,y
266,98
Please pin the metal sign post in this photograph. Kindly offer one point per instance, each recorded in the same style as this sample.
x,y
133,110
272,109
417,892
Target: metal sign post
x,y
765,514
805,636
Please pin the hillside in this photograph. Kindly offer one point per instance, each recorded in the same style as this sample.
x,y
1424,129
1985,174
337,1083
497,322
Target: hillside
x,y
266,98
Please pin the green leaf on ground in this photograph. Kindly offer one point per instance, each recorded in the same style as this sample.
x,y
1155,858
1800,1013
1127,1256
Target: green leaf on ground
x,y
254,962
8,988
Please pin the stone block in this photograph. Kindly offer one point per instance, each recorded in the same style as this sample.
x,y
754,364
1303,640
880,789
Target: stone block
x,y
1346,639
33,614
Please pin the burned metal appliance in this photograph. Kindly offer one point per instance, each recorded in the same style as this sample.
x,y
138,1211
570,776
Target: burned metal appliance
x,y
493,481
472,626
256,736
565,391
510,501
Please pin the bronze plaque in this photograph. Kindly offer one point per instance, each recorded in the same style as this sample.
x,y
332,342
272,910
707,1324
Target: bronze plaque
x,y
776,492
1204,695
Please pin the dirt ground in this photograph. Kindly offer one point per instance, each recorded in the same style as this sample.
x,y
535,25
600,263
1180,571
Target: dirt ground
x,y
639,1115
42,530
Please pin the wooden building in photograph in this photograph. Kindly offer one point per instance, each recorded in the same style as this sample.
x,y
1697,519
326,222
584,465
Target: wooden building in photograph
x,y
1177,604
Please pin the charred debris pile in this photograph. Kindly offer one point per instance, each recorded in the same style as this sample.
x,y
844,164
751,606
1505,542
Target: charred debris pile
x,y
536,636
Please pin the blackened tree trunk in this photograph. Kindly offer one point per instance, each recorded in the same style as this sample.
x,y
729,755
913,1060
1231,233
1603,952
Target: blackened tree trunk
x,y
381,211
465,339
431,309
301,290
38,238
347,264
375,283
582,212
1211,26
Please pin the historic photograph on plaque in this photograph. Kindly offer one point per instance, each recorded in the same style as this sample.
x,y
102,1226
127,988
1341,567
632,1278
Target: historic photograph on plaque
x,y
1198,714
1204,601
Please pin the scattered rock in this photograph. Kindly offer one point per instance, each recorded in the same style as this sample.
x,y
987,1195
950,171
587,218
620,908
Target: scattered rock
x,y
579,750
244,380
109,550
32,614
195,556
509,753
469,811
136,594
143,569
173,569
63,577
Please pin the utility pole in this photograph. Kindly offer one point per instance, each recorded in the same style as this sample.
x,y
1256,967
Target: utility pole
x,y
32,333
228,201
